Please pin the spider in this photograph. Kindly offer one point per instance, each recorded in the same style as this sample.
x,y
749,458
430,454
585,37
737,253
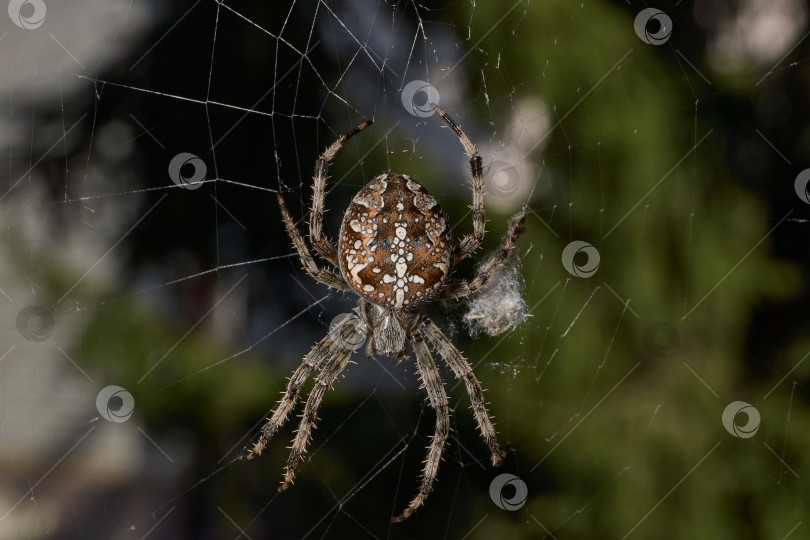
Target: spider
x,y
395,251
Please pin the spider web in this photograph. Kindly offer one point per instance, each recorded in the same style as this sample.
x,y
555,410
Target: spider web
x,y
148,267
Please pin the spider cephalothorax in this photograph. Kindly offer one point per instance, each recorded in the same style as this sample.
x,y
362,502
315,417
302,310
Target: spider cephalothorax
x,y
395,251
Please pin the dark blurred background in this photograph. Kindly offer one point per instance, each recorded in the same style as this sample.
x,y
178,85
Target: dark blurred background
x,y
657,387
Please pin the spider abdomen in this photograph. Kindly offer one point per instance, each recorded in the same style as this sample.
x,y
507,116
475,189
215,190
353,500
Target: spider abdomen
x,y
395,246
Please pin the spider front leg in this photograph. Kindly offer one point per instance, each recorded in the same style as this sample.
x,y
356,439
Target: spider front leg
x,y
464,372
465,288
322,245
470,242
322,275
432,383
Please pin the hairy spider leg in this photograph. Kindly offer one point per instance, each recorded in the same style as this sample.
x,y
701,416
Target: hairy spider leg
x,y
323,245
464,288
464,372
433,385
333,368
470,242
327,349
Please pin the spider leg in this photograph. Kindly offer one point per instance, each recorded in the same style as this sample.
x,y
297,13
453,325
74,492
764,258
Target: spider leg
x,y
464,372
469,243
322,275
465,288
320,243
322,350
340,352
432,383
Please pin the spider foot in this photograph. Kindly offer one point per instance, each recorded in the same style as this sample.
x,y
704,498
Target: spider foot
x,y
284,485
499,456
517,224
289,474
402,517
248,454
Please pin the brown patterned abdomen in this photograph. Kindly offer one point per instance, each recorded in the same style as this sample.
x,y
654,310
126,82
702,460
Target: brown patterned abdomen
x,y
395,245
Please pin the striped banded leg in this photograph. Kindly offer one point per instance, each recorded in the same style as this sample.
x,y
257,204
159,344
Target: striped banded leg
x,y
349,335
432,383
322,245
464,372
469,243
